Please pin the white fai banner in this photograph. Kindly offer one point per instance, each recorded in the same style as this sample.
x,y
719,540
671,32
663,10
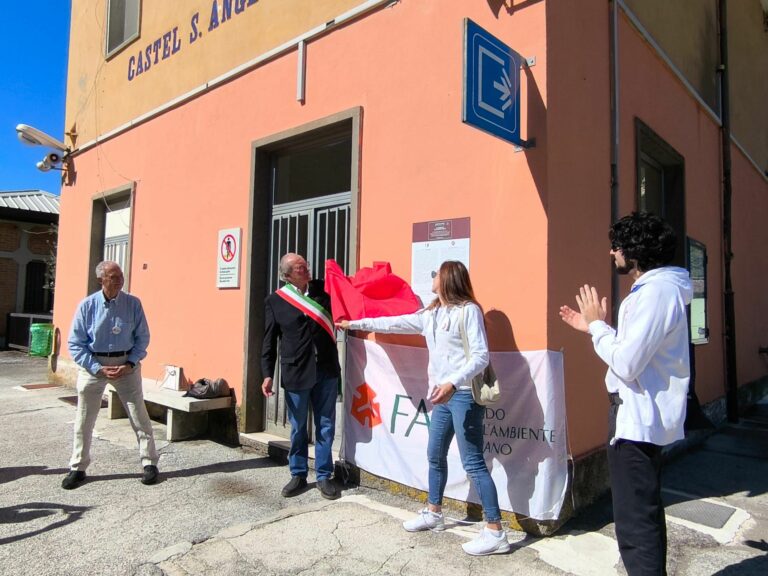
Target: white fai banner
x,y
387,420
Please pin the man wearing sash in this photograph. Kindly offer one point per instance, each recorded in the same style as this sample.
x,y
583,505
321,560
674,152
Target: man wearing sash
x,y
298,315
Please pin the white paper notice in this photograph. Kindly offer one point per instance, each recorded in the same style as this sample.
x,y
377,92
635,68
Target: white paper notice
x,y
433,243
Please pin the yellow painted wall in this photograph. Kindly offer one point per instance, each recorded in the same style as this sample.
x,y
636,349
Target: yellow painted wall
x,y
688,32
748,64
100,95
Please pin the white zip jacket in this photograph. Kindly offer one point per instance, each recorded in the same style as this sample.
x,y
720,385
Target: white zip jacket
x,y
647,357
440,328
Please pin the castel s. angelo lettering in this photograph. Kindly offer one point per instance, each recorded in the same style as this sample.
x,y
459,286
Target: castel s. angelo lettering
x,y
169,43
164,47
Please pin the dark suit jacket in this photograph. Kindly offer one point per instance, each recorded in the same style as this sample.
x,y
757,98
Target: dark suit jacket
x,y
304,345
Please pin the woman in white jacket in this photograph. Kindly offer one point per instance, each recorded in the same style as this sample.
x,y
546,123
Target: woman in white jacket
x,y
455,413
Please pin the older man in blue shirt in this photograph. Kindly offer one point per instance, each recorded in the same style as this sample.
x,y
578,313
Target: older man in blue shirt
x,y
108,340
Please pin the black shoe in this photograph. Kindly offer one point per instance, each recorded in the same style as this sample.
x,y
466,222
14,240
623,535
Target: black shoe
x,y
73,479
327,489
294,487
150,474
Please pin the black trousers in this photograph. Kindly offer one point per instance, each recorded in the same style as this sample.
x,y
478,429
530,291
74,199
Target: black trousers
x,y
638,511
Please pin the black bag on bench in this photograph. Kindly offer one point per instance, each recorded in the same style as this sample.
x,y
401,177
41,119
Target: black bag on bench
x,y
207,388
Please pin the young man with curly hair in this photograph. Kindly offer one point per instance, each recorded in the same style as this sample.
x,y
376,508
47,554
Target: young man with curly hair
x,y
647,380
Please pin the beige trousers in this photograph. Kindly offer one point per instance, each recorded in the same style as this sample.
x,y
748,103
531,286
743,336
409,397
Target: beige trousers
x,y
90,390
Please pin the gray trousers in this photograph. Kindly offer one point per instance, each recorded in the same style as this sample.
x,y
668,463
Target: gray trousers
x,y
90,390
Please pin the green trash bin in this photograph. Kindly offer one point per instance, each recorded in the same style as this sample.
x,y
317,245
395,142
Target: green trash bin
x,y
40,339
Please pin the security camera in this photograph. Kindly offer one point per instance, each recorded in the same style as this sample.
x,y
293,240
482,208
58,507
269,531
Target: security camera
x,y
35,137
51,160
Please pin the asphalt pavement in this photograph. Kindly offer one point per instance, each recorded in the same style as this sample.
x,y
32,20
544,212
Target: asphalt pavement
x,y
217,509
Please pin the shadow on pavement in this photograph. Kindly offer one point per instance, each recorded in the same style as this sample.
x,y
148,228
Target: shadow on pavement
x,y
35,510
750,567
762,545
221,467
591,519
17,472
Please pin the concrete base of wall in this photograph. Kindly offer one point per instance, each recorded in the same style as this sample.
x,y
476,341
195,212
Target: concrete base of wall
x,y
348,474
62,371
749,394
587,475
752,393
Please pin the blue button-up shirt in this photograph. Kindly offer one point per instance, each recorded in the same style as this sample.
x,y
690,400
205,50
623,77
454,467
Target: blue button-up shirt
x,y
102,325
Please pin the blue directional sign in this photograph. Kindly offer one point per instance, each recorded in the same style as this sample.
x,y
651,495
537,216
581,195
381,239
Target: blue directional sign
x,y
491,84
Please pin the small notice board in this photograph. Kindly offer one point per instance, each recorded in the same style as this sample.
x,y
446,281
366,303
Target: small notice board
x,y
433,243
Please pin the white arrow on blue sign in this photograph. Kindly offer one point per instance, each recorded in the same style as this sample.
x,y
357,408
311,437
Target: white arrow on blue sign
x,y
491,84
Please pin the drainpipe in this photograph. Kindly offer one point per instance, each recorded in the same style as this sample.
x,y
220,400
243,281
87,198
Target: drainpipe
x,y
731,382
613,54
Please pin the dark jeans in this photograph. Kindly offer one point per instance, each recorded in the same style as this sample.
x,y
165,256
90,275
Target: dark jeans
x,y
322,396
638,511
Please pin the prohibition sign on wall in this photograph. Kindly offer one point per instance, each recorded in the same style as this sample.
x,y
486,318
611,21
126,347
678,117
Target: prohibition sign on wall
x,y
228,258
228,248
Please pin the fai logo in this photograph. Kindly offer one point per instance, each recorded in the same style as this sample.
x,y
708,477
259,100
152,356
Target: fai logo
x,y
365,409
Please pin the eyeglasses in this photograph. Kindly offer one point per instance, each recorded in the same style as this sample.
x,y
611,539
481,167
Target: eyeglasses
x,y
434,273
299,268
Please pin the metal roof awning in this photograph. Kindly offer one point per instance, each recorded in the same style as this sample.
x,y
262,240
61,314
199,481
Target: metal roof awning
x,y
29,205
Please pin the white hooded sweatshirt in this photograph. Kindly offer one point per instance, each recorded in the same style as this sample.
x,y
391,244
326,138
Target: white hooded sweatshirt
x,y
647,357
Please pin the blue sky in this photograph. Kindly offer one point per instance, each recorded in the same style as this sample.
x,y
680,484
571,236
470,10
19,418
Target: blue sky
x,y
33,39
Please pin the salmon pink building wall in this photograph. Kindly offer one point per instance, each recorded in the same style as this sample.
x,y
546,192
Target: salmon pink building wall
x,y
192,172
750,267
578,175
691,131
539,217
420,162
579,201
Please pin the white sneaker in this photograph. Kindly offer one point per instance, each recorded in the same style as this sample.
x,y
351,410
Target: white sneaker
x,y
487,543
426,520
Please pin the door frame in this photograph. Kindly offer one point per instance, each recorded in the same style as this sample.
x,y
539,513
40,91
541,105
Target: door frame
x,y
119,197
252,415
316,212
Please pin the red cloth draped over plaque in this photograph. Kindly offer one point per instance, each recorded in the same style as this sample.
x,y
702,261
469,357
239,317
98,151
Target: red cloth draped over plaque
x,y
370,293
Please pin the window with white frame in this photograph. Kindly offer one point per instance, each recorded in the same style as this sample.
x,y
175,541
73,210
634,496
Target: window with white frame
x,y
122,24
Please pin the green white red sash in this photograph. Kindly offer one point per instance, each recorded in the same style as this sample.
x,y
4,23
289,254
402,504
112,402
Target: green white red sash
x,y
295,298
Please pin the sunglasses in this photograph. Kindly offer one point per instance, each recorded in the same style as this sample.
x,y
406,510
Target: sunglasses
x,y
434,273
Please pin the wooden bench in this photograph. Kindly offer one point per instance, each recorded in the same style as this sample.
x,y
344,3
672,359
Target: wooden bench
x,y
186,417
